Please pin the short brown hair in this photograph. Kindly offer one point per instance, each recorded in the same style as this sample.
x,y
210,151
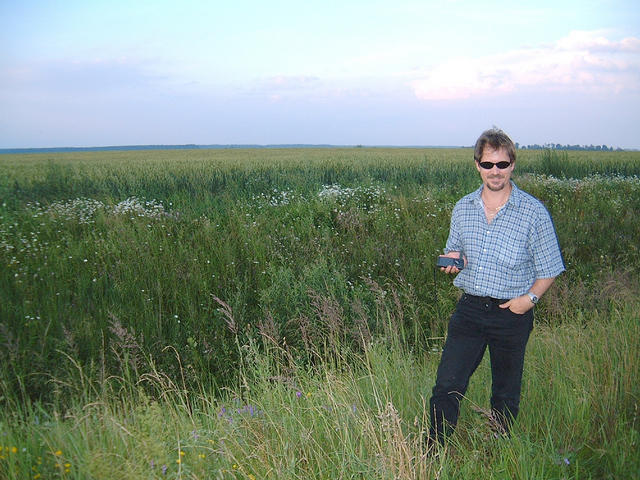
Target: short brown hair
x,y
496,139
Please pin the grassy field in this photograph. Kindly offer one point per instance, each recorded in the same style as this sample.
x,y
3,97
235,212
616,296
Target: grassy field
x,y
276,314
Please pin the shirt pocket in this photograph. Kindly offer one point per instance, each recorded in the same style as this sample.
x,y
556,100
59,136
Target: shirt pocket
x,y
511,255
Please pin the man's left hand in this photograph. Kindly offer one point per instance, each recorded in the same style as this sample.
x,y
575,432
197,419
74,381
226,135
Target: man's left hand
x,y
519,305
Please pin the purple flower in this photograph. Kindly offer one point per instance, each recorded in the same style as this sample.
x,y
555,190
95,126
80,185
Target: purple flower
x,y
164,469
566,461
299,394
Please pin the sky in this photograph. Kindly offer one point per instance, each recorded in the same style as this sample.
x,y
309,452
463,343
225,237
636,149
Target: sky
x,y
349,72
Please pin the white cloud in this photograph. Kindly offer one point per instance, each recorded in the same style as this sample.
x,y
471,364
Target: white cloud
x,y
290,82
77,78
582,61
278,87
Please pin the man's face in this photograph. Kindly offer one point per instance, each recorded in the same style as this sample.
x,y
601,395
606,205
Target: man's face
x,y
495,179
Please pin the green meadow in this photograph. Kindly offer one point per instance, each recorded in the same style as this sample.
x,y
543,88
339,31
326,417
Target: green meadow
x,y
275,313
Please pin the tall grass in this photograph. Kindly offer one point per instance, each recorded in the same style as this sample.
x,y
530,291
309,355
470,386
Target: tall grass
x,y
360,415
143,291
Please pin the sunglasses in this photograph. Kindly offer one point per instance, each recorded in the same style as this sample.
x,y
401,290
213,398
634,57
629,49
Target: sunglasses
x,y
490,165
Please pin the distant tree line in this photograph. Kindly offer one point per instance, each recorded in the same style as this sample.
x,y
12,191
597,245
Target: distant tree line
x,y
557,146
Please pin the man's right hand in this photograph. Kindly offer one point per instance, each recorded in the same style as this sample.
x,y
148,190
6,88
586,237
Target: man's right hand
x,y
451,268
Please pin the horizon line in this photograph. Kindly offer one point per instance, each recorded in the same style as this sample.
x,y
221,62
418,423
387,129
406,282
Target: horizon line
x,y
215,146
193,146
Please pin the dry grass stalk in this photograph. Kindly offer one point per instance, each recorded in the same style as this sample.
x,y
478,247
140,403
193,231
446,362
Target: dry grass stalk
x,y
127,348
227,312
269,330
329,313
361,330
305,332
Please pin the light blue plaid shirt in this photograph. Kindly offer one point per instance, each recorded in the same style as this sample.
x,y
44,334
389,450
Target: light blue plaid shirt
x,y
506,256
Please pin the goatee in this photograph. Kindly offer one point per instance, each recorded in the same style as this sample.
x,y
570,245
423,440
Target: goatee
x,y
496,188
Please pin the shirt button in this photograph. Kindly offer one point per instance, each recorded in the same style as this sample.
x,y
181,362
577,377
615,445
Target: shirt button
x,y
480,268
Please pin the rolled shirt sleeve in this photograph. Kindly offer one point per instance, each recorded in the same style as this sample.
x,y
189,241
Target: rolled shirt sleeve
x,y
545,247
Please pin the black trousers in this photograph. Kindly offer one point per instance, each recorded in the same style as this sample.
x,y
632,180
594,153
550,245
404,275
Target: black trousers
x,y
478,323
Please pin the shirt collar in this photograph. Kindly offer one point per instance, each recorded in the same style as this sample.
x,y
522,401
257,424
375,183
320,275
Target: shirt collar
x,y
514,198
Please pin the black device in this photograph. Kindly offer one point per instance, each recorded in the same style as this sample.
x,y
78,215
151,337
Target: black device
x,y
448,261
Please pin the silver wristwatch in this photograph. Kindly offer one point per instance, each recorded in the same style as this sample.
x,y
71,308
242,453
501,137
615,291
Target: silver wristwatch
x,y
534,298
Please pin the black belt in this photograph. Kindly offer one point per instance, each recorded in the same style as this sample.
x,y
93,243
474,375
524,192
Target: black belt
x,y
484,300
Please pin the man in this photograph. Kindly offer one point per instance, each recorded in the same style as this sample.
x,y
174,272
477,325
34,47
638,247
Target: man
x,y
511,257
